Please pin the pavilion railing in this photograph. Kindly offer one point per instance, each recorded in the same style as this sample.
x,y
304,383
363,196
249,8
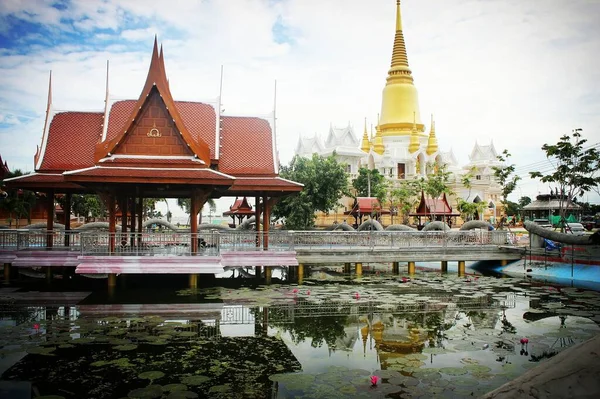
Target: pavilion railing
x,y
214,242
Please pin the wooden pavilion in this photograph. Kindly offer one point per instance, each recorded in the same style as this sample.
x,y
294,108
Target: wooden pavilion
x,y
155,147
436,209
365,207
240,210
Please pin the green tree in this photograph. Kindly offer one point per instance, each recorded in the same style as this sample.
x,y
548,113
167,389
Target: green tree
x,y
524,201
18,203
467,209
84,205
575,168
405,198
370,183
505,177
325,182
437,183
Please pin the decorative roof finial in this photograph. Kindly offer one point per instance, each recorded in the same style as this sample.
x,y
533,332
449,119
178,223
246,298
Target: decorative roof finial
x,y
366,144
414,138
398,16
432,145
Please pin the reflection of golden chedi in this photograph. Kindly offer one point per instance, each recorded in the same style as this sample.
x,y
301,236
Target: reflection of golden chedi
x,y
396,341
400,100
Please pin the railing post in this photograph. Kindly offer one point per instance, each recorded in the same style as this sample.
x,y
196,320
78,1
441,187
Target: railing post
x,y
218,241
291,245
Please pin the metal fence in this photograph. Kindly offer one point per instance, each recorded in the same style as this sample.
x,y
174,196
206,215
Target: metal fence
x,y
214,242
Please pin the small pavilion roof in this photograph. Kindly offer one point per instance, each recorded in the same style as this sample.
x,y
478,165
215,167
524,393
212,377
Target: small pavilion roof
x,y
36,181
437,206
365,206
239,207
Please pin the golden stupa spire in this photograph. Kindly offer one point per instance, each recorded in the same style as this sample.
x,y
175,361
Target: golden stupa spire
x,y
400,100
414,137
378,145
366,144
432,145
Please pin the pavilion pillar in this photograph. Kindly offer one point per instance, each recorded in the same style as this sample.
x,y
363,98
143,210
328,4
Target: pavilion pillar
x,y
193,281
7,273
503,262
49,219
266,225
124,211
300,273
132,225
140,219
67,213
347,268
194,223
358,267
48,274
412,267
396,267
112,223
112,284
258,210
444,266
461,267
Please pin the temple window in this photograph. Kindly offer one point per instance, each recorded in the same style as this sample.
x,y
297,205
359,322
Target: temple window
x,y
478,177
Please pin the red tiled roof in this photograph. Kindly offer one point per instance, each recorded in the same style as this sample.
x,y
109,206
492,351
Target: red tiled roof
x,y
135,174
41,180
367,204
118,115
200,119
154,162
252,184
71,141
246,146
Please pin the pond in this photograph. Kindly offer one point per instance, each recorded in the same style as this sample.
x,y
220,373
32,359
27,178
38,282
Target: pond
x,y
429,335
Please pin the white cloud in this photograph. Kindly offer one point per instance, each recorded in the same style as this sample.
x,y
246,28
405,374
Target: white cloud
x,y
520,72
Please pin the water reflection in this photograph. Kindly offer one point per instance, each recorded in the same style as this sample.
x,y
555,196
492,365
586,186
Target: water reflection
x,y
440,336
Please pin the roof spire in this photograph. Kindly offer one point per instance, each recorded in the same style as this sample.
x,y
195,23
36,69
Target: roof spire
x,y
399,57
49,104
398,16
105,122
414,136
432,145
366,144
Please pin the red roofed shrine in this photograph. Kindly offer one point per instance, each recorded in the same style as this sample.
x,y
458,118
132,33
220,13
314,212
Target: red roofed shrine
x,y
240,209
155,147
365,206
434,209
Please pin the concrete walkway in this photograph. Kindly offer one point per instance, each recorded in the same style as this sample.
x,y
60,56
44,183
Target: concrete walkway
x,y
573,373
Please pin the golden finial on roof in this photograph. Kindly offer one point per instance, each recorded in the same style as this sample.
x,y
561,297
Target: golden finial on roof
x,y
414,137
432,145
366,144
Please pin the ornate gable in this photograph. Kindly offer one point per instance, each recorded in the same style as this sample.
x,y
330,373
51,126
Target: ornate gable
x,y
153,133
156,85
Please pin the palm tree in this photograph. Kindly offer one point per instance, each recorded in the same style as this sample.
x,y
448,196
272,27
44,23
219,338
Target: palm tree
x,y
186,204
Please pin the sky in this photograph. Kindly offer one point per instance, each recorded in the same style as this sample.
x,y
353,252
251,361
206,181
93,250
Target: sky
x,y
519,72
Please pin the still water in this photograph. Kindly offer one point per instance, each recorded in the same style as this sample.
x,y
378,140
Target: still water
x,y
431,335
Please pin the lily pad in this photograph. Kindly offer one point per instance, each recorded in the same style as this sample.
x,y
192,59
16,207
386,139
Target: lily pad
x,y
182,395
128,347
149,392
151,375
174,387
194,380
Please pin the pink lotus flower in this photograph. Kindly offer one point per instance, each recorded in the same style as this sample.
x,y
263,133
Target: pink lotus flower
x,y
308,292
295,290
374,380
356,295
524,340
